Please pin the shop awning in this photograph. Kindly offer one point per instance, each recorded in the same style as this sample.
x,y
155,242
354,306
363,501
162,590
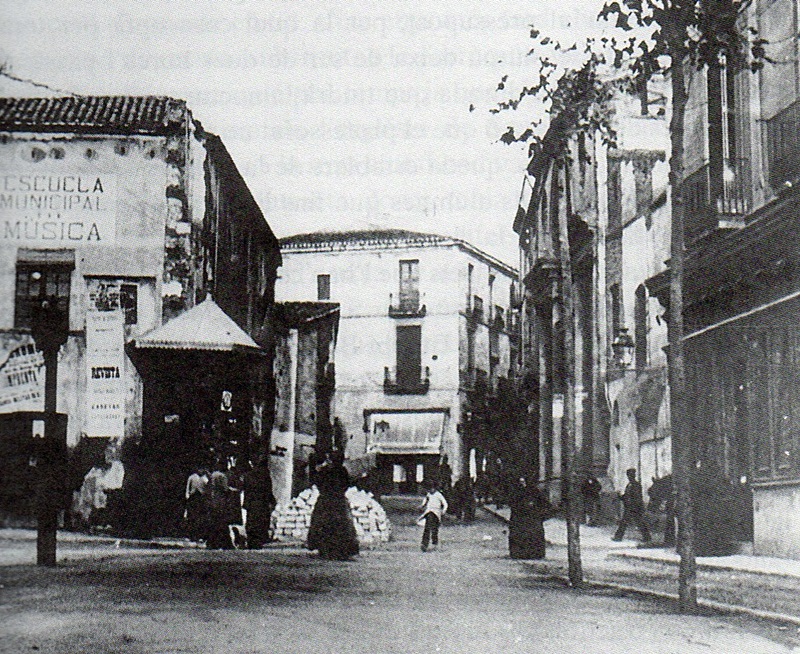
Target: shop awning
x,y
203,327
406,432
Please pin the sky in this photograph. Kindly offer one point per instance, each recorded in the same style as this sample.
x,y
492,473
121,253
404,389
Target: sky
x,y
339,115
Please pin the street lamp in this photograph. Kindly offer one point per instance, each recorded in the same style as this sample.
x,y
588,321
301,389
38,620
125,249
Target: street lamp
x,y
623,347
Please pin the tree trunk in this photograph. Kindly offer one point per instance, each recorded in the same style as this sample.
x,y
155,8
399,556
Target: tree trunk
x,y
568,426
682,445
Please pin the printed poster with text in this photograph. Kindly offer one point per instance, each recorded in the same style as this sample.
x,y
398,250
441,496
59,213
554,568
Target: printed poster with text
x,y
105,383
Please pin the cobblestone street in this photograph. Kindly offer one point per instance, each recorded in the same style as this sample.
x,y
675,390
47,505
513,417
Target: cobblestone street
x,y
466,597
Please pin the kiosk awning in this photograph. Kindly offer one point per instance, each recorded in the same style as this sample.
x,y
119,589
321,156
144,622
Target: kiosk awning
x,y
203,327
406,432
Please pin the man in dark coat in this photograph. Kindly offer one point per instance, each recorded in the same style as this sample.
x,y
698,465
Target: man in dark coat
x,y
445,478
633,508
259,502
590,490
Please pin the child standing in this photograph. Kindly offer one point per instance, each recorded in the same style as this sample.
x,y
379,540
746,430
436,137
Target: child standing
x,y
434,506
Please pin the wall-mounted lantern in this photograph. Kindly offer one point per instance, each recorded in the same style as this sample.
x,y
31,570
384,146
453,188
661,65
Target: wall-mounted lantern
x,y
623,347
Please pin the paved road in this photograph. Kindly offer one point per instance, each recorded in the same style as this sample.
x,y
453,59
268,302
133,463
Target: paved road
x,y
467,597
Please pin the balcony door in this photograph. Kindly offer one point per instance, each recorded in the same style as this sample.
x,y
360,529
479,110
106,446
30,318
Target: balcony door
x,y
409,285
409,355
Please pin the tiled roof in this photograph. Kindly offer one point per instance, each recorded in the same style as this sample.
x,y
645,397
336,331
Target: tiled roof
x,y
381,239
100,114
296,313
203,327
370,236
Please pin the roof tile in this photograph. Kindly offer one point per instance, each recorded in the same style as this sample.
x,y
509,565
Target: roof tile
x,y
102,114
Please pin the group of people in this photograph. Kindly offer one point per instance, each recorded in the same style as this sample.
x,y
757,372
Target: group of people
x,y
214,503
530,508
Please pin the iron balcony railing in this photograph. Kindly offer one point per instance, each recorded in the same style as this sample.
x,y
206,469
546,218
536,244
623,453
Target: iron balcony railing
x,y
716,204
783,146
406,306
406,384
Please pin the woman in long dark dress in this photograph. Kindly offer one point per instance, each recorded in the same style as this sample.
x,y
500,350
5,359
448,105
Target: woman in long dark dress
x,y
332,531
529,510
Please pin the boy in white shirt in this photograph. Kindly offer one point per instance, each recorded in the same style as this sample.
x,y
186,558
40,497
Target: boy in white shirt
x,y
434,506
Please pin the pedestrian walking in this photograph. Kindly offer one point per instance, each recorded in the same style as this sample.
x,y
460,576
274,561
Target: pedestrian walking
x,y
590,491
445,474
497,482
662,498
219,510
632,508
259,502
332,531
434,506
464,499
529,510
196,504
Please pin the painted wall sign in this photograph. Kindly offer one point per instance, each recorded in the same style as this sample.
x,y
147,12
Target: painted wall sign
x,y
21,377
105,373
58,209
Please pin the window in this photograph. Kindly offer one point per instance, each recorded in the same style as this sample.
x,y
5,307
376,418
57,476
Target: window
x,y
494,352
323,287
616,310
477,307
409,285
640,327
499,317
128,302
34,284
723,155
470,270
409,355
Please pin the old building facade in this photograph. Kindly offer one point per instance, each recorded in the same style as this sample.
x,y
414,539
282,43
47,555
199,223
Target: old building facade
x,y
597,218
426,344
741,286
131,214
305,383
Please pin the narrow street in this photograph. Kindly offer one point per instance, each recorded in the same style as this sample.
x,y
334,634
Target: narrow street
x,y
466,597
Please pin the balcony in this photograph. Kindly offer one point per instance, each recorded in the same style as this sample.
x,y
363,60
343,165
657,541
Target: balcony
x,y
474,310
783,146
707,209
498,322
406,306
406,384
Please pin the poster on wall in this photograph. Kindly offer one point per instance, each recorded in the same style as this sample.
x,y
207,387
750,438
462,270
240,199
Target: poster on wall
x,y
105,371
21,376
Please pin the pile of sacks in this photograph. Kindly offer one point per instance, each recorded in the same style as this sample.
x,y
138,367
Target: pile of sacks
x,y
291,523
